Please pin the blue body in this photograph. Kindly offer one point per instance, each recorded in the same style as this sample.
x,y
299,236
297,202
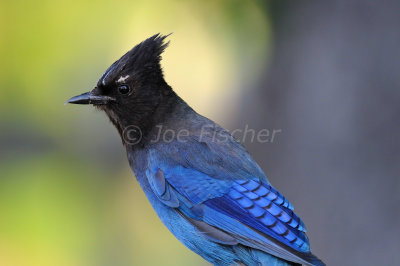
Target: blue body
x,y
215,253
216,200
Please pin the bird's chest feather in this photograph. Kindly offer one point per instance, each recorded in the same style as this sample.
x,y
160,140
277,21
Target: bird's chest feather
x,y
169,216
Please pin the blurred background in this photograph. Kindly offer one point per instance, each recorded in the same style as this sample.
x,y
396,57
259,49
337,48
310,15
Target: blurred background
x,y
325,74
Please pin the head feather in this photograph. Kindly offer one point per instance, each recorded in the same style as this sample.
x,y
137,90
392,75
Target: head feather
x,y
144,57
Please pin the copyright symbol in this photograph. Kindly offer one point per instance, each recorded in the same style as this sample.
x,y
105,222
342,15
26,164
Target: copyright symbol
x,y
132,135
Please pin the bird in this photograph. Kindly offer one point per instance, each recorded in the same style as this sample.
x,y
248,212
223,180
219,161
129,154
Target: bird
x,y
202,183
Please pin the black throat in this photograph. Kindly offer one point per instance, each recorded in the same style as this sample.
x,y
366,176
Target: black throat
x,y
136,126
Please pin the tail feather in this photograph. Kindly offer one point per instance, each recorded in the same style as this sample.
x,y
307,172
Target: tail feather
x,y
314,260
265,259
251,256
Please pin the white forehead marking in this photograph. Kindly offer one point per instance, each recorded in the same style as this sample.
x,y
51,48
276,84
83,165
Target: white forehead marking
x,y
122,79
104,79
106,75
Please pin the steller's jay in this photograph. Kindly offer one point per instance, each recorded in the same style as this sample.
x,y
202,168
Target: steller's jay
x,y
202,183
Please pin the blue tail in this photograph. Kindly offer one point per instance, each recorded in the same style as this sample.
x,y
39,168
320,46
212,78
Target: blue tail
x,y
251,256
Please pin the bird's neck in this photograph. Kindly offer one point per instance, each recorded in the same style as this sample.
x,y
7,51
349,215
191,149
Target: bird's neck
x,y
169,107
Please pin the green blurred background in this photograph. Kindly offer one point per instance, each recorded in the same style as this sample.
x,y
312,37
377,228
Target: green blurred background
x,y
67,194
324,73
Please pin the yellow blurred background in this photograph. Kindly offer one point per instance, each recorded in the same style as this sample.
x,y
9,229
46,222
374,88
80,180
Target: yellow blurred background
x,y
67,194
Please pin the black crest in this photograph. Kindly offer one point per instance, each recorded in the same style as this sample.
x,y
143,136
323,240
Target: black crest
x,y
142,59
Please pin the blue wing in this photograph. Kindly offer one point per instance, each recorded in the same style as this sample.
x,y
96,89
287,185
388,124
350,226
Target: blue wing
x,y
218,186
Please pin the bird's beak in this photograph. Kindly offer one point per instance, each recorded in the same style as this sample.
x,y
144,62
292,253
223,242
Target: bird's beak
x,y
90,98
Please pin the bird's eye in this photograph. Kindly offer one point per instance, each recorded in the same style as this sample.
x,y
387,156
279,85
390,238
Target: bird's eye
x,y
124,89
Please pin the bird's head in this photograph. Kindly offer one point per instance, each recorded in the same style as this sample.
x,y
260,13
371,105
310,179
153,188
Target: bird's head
x,y
132,87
